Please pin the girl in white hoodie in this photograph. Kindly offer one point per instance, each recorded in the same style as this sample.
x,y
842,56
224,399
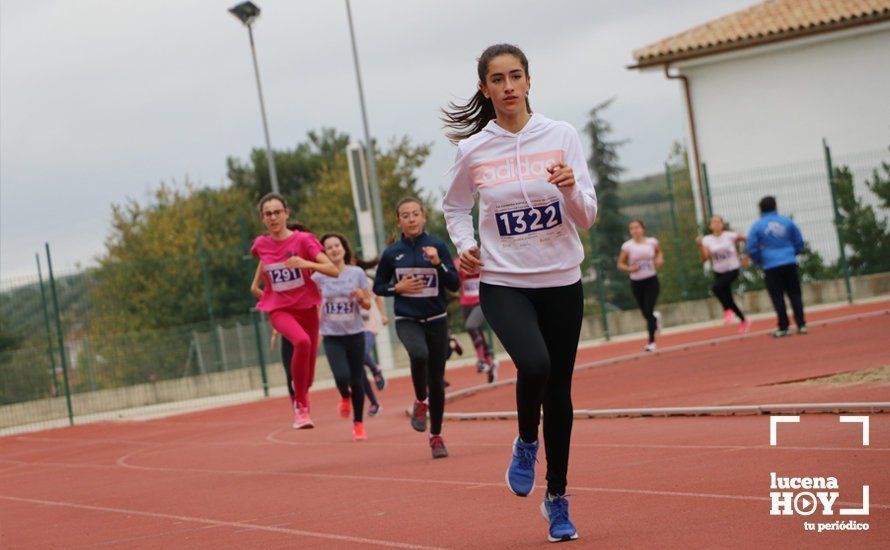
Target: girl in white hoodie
x,y
535,192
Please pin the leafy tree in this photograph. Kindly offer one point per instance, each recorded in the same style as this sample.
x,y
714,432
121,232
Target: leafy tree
x,y
151,274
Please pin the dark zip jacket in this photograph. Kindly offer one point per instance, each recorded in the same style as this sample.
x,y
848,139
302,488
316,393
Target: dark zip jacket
x,y
406,257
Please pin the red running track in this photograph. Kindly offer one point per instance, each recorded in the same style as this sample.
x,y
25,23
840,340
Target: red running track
x,y
240,477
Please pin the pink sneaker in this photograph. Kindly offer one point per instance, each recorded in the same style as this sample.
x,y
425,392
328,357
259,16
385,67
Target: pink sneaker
x,y
302,421
745,326
727,316
345,407
358,432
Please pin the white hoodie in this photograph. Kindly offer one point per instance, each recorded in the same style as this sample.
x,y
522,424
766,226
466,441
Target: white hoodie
x,y
528,227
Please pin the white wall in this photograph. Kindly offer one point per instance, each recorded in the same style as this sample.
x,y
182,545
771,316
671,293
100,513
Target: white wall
x,y
771,106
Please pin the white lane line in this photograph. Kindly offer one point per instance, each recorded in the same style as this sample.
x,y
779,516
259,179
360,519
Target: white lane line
x,y
465,484
216,523
426,481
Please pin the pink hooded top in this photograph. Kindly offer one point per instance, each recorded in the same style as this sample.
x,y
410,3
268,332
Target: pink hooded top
x,y
287,288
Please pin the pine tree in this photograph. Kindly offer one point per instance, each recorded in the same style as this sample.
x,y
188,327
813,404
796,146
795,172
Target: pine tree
x,y
611,226
866,235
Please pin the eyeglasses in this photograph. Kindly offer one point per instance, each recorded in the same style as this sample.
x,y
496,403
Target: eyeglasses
x,y
272,213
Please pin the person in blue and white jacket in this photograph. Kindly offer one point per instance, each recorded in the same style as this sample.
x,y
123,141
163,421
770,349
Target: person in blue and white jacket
x,y
417,269
774,242
535,193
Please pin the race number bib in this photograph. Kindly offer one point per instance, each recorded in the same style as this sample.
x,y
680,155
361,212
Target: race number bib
x,y
647,269
722,255
339,309
283,278
430,278
471,287
524,221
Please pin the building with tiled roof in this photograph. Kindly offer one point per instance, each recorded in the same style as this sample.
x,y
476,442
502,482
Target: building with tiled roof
x,y
764,23
763,86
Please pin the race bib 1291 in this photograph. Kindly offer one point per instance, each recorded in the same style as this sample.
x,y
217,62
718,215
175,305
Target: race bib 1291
x,y
283,278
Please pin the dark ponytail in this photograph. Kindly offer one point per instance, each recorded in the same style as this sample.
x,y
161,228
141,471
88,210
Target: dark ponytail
x,y
470,118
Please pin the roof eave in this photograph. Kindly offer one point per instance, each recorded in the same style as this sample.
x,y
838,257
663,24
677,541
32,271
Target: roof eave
x,y
758,41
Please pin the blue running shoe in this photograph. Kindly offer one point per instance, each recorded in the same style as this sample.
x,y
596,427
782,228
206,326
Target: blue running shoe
x,y
555,509
521,473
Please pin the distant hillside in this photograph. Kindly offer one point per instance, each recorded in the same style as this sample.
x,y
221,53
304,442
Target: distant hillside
x,y
646,198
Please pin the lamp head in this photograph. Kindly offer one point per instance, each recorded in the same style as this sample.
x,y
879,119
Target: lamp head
x,y
246,12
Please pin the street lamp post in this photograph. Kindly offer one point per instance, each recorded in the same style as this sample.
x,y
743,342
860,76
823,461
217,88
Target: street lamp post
x,y
247,13
369,146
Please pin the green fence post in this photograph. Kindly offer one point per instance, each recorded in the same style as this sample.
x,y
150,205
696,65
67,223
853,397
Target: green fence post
x,y
88,359
596,262
837,221
49,332
208,296
61,336
678,250
253,315
706,185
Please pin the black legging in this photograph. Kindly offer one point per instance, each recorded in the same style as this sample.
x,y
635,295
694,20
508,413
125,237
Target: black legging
x,y
346,356
646,293
427,346
539,328
287,353
780,281
722,289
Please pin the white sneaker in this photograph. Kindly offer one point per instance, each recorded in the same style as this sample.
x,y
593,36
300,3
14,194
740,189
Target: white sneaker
x,y
650,347
657,315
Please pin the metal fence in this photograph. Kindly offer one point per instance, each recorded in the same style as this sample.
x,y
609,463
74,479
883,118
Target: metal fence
x,y
118,335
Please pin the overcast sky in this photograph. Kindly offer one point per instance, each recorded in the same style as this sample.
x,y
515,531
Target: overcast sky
x,y
102,100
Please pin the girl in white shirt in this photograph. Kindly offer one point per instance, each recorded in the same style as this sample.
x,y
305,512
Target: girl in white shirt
x,y
640,258
535,193
722,248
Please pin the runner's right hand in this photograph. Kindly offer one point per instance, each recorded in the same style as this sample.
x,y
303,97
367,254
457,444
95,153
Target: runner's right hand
x,y
410,285
470,261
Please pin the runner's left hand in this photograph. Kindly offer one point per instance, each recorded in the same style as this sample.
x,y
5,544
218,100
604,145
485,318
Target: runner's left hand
x,y
296,262
561,175
432,255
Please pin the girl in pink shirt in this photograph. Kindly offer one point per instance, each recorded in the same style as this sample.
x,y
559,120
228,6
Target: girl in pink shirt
x,y
290,296
640,258
474,321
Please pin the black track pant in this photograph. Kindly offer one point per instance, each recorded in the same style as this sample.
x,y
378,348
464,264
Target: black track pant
x,y
287,353
427,346
722,289
645,292
346,356
780,281
539,328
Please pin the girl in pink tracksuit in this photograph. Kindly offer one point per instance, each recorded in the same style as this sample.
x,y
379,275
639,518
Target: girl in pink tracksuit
x,y
290,296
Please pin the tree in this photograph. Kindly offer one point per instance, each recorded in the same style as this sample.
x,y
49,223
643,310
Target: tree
x,y
314,178
866,235
682,276
611,226
298,168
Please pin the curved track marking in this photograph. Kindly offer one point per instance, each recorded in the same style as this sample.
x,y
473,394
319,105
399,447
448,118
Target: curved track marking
x,y
217,523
